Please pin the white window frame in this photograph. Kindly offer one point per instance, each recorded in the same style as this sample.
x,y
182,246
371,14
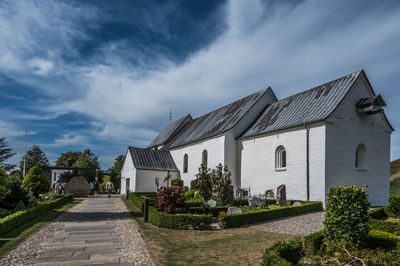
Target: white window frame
x,y
280,158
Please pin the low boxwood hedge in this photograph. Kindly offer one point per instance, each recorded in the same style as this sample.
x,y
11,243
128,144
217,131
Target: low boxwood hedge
x,y
214,211
385,226
138,198
236,220
384,240
179,221
377,213
314,241
17,219
284,253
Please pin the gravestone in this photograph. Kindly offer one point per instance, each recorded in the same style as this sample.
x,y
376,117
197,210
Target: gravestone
x,y
296,204
234,210
255,202
212,203
281,195
229,198
30,196
78,186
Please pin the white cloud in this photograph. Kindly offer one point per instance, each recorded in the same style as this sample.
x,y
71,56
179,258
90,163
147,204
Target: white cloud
x,y
40,66
69,140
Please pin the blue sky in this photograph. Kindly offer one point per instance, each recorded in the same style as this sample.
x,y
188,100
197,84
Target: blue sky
x,y
105,74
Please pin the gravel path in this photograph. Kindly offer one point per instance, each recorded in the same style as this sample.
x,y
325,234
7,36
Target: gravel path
x,y
300,225
97,231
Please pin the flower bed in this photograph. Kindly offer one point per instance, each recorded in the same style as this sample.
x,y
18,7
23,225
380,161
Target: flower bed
x,y
236,220
17,219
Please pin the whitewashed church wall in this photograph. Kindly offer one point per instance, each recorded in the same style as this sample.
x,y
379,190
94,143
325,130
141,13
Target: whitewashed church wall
x,y
258,163
345,131
145,179
215,150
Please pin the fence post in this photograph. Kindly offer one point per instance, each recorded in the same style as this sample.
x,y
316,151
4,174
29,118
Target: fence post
x,y
128,181
146,210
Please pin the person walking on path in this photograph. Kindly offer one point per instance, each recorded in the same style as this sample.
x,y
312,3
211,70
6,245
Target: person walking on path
x,y
109,187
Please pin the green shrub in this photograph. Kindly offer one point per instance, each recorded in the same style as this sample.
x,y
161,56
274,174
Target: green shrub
x,y
193,184
392,227
214,211
236,220
194,203
3,185
240,202
313,242
15,193
222,188
4,213
380,239
20,206
15,220
377,213
346,216
291,252
36,181
171,199
204,182
177,182
179,221
273,260
394,205
35,202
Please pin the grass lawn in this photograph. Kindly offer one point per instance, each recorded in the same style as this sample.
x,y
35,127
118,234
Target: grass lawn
x,y
238,246
14,238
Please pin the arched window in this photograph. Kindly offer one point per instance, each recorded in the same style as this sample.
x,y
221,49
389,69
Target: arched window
x,y
185,163
361,157
204,158
280,158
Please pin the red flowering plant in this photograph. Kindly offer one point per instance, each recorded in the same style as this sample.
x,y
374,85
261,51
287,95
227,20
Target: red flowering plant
x,y
222,213
171,199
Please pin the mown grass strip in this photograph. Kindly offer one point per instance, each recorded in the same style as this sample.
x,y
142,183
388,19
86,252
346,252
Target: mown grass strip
x,y
14,238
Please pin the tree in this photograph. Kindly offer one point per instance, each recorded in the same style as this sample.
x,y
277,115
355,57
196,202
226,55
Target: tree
x,y
204,183
36,181
86,159
116,171
65,177
3,185
34,157
222,188
15,193
68,159
5,154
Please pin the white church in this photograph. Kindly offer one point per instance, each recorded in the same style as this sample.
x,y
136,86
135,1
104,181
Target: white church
x,y
334,134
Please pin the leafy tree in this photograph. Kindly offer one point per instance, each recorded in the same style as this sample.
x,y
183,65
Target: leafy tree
x,y
204,182
34,157
106,178
5,154
68,159
221,184
3,185
15,193
116,171
36,181
86,159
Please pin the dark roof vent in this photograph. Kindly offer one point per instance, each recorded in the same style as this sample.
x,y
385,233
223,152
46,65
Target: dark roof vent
x,y
371,105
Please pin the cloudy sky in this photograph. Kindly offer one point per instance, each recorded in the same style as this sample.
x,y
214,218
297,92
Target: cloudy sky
x,y
105,74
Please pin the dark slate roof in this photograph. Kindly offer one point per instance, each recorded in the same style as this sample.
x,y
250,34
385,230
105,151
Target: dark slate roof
x,y
214,123
306,107
149,159
168,132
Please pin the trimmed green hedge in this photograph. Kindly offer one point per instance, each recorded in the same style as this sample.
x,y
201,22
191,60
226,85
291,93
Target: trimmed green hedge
x,y
313,242
284,253
377,213
138,198
385,240
214,211
385,226
19,218
236,220
179,221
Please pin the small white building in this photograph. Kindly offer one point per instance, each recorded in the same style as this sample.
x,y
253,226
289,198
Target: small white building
x,y
144,170
55,173
333,134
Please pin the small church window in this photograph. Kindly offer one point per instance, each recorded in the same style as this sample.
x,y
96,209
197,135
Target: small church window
x,y
185,163
204,160
361,157
280,158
